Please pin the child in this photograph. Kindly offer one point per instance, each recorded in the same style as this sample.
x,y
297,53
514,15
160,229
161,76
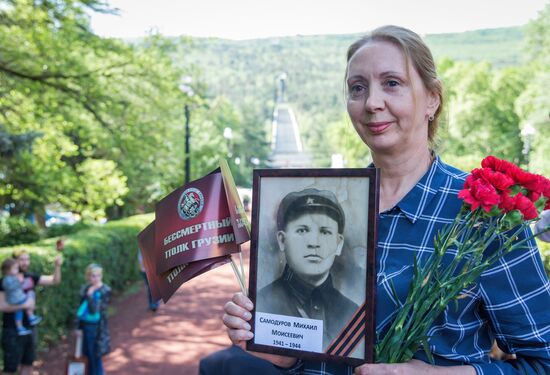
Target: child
x,y
92,316
16,296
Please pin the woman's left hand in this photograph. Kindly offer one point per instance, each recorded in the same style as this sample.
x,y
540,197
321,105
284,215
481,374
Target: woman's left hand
x,y
412,367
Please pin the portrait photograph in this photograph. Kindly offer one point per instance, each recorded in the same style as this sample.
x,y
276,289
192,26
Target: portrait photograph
x,y
312,256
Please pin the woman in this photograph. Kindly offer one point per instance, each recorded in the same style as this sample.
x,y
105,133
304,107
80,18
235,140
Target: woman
x,y
394,99
92,317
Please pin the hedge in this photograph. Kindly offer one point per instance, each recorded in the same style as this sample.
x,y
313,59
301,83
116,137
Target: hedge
x,y
112,245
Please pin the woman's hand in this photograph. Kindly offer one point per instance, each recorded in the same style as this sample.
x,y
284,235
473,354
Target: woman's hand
x,y
412,367
236,317
92,289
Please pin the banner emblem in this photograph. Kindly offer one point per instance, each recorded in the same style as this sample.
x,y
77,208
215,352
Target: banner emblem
x,y
190,204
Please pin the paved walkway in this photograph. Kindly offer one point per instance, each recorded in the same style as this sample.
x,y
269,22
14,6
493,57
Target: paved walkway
x,y
170,341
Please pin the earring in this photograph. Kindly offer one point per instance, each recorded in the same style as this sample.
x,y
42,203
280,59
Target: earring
x,y
431,118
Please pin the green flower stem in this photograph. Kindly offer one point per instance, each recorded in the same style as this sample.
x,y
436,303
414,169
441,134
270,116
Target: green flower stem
x,y
434,286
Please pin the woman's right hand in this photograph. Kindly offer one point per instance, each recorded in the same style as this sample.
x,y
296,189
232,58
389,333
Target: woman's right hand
x,y
236,318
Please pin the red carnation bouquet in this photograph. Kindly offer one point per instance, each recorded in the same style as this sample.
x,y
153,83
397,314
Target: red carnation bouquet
x,y
500,201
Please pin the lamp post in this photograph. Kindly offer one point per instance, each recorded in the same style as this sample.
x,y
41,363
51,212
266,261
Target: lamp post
x,y
187,90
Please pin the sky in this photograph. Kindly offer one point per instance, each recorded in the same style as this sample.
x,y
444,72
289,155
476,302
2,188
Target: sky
x,y
249,19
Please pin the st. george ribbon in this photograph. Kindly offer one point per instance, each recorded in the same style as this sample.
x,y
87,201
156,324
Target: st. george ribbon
x,y
196,228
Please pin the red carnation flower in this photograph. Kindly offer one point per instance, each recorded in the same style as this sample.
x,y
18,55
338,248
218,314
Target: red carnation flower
x,y
490,162
529,181
525,206
507,203
499,165
507,210
480,193
498,180
501,181
545,190
469,180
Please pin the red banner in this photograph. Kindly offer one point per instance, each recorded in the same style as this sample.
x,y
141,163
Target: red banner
x,y
165,285
197,227
193,223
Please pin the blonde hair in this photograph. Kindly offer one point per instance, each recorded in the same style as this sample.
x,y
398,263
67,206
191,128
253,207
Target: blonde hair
x,y
92,268
417,53
17,253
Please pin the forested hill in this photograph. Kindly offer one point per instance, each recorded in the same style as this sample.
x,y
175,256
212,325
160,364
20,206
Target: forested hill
x,y
246,71
315,64
501,47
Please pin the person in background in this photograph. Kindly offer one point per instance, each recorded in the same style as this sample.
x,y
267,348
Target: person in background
x,y
20,351
394,99
246,203
153,305
92,318
16,296
542,224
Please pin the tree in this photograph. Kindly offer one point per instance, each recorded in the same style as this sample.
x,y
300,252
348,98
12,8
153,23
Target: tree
x,y
344,140
100,105
532,104
480,113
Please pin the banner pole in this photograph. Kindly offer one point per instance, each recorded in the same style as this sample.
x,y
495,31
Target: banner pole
x,y
242,269
236,271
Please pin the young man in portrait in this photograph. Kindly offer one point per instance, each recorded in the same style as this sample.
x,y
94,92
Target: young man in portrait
x,y
310,226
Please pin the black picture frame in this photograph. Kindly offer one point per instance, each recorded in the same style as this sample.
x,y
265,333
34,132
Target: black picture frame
x,y
324,326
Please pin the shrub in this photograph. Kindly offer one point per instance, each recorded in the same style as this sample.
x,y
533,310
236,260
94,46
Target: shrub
x,y
112,245
16,230
57,230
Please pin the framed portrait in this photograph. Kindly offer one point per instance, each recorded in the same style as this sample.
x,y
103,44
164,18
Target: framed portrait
x,y
312,263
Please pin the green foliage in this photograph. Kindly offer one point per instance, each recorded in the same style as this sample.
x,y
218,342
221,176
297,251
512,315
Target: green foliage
x,y
344,140
103,185
109,113
112,245
532,104
106,118
480,111
57,230
501,47
101,106
17,230
10,144
247,71
538,36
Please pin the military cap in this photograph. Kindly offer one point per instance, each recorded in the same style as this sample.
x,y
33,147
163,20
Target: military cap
x,y
310,200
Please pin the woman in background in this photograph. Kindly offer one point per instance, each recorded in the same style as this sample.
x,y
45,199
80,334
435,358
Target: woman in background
x,y
92,318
